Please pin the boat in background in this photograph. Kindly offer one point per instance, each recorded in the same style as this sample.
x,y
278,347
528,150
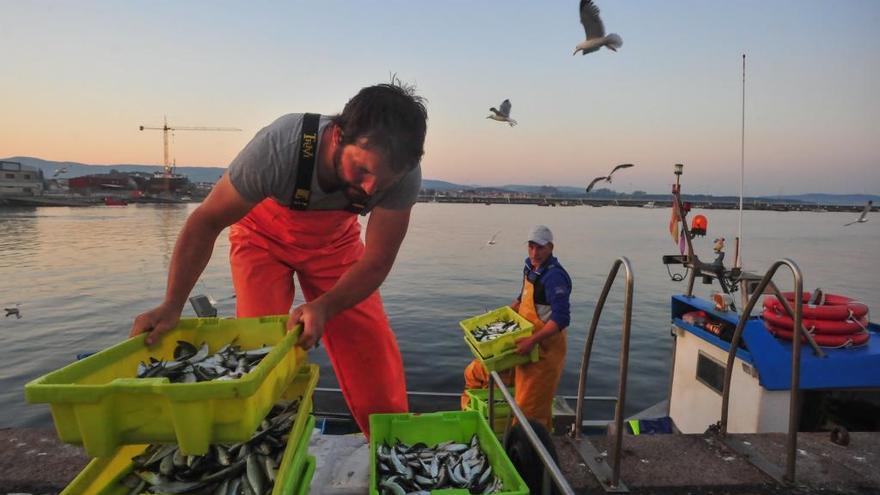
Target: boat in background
x,y
114,201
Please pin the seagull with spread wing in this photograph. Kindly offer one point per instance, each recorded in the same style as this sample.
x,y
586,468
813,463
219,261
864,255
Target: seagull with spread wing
x,y
595,31
863,217
608,177
502,115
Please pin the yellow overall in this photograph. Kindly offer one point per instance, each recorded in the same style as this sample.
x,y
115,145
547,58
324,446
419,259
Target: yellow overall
x,y
535,382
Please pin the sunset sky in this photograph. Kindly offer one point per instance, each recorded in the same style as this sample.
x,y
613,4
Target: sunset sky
x,y
80,77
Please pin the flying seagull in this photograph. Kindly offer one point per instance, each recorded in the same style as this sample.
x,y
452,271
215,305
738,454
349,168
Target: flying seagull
x,y
491,242
59,171
864,216
595,31
608,177
502,115
13,312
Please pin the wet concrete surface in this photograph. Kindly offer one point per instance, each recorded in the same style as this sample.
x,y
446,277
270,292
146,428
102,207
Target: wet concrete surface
x,y
703,465
35,461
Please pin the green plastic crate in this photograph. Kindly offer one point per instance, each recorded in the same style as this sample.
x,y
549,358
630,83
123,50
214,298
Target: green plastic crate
x,y
305,480
502,344
433,428
101,476
506,360
98,402
480,403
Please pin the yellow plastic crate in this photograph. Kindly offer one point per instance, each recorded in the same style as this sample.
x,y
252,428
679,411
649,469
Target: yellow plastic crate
x,y
99,404
479,401
504,360
102,476
502,344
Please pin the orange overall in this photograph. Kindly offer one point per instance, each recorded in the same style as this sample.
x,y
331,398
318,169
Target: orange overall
x,y
535,382
272,243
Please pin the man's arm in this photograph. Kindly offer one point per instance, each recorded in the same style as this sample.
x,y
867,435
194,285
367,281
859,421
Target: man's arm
x,y
195,244
385,232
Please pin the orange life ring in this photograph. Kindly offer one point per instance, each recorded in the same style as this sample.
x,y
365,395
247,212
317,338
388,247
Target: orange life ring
x,y
824,340
838,327
835,308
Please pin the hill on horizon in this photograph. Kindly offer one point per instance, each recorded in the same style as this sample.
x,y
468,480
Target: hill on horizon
x,y
212,174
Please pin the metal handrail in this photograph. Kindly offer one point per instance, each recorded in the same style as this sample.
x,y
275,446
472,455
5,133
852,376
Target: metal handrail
x,y
549,464
624,359
793,413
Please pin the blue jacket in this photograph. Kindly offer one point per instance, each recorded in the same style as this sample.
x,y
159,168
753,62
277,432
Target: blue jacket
x,y
552,291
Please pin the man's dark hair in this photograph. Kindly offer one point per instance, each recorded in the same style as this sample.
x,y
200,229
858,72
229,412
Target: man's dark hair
x,y
392,119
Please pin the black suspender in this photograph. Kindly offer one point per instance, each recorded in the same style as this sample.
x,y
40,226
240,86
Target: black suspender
x,y
308,152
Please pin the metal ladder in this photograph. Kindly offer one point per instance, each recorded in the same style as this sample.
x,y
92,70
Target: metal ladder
x,y
758,461
610,480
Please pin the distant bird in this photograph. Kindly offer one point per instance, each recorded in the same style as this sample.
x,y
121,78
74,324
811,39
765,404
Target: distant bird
x,y
608,177
864,216
595,31
491,242
502,115
59,171
13,312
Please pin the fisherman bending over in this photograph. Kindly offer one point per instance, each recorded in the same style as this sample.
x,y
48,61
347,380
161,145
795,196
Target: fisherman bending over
x,y
292,196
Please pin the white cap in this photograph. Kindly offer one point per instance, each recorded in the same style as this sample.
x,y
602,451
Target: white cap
x,y
540,234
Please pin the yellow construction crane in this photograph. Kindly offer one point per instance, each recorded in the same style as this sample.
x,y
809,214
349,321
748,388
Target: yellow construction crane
x,y
169,169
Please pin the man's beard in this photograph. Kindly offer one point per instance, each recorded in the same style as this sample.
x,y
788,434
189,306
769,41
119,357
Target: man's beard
x,y
354,194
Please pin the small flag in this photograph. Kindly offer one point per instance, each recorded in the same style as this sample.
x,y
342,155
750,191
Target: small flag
x,y
673,223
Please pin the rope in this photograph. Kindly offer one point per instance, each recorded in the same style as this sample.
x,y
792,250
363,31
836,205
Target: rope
x,y
677,277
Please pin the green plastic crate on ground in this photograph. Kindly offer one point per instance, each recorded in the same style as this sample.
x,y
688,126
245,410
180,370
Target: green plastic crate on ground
x,y
480,403
98,402
433,428
506,360
101,476
305,480
502,344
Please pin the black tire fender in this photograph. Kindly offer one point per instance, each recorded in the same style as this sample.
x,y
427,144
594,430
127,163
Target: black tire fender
x,y
525,459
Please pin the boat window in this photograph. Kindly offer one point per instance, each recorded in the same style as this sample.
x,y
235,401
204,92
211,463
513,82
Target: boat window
x,y
710,372
10,176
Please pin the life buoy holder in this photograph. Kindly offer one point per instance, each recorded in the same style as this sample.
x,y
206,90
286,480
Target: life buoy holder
x,y
824,340
831,327
836,307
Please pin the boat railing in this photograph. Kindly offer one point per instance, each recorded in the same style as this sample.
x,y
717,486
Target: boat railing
x,y
612,484
797,312
550,466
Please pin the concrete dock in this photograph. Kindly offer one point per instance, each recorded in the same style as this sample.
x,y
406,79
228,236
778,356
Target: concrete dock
x,y
34,461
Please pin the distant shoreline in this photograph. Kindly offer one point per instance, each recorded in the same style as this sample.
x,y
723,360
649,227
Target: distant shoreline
x,y
635,203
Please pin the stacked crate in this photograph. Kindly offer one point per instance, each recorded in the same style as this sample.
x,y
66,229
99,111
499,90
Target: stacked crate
x,y
99,404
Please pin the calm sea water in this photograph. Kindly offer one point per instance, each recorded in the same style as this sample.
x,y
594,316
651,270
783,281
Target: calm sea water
x,y
81,275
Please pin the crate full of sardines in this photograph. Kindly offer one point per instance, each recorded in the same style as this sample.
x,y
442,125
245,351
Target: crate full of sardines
x,y
439,451
207,381
274,459
492,337
497,331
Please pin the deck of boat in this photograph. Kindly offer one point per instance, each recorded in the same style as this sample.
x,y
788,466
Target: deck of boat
x,y
34,461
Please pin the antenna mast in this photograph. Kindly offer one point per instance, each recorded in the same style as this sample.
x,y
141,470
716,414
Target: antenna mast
x,y
737,261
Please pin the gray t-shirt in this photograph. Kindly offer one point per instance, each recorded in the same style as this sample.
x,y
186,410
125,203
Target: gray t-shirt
x,y
266,168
